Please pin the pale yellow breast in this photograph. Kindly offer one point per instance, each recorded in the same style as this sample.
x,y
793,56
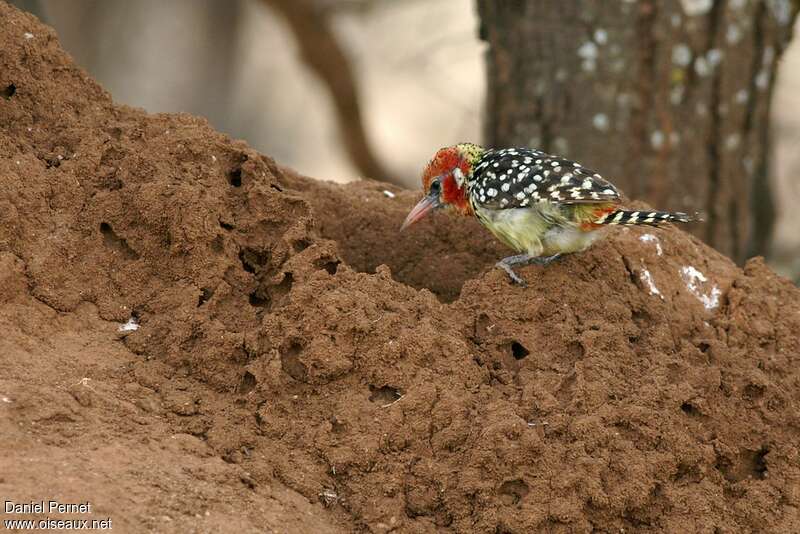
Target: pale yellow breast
x,y
541,230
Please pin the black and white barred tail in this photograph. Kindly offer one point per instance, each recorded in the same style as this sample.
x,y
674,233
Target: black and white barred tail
x,y
651,218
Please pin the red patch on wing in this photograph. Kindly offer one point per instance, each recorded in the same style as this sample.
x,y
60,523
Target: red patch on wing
x,y
599,212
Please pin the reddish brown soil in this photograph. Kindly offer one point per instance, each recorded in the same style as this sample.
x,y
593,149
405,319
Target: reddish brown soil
x,y
302,367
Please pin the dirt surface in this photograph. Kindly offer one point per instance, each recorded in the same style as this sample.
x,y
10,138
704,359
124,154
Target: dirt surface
x,y
299,366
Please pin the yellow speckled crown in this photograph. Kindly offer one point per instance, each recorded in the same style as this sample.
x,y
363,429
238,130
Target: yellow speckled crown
x,y
471,152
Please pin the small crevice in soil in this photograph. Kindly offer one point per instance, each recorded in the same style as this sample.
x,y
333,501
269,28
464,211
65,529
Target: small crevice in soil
x,y
300,245
566,389
218,244
690,409
258,299
631,271
641,318
110,183
113,241
758,462
337,426
235,177
330,266
384,394
753,391
253,260
247,383
747,464
9,91
272,296
518,350
51,160
513,491
576,349
279,291
687,473
246,265
482,329
205,294
291,364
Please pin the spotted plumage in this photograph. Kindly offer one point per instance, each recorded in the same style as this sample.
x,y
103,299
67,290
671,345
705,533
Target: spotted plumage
x,y
519,177
538,204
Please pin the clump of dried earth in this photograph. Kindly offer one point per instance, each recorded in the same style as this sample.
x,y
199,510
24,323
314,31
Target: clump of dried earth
x,y
300,366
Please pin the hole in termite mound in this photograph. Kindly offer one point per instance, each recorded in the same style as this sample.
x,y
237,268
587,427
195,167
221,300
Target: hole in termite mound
x,y
247,383
291,363
9,91
439,253
274,295
330,266
384,395
747,464
258,299
690,409
753,391
518,350
235,177
252,259
301,244
205,294
117,243
513,491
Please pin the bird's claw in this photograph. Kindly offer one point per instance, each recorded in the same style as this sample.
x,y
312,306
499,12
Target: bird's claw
x,y
515,278
524,259
544,260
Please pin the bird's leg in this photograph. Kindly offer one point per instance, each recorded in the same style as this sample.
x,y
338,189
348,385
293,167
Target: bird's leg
x,y
508,263
545,260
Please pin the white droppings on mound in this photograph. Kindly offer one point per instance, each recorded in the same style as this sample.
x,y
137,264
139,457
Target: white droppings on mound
x,y
695,280
647,278
650,238
131,326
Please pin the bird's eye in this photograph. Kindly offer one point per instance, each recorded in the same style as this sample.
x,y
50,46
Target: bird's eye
x,y
435,188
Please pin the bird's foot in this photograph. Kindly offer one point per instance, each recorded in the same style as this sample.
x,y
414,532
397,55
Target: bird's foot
x,y
511,274
544,260
508,263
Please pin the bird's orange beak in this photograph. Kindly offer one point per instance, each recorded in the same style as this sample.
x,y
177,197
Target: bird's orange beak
x,y
423,207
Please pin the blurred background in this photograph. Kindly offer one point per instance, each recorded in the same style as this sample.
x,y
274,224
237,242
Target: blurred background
x,y
354,88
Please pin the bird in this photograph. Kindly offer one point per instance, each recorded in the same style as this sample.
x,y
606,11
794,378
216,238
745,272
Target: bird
x,y
540,205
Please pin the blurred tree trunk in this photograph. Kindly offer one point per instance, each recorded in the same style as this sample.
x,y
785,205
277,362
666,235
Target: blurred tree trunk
x,y
669,99
324,55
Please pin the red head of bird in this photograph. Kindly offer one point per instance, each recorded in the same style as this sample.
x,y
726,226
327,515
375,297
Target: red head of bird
x,y
445,180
